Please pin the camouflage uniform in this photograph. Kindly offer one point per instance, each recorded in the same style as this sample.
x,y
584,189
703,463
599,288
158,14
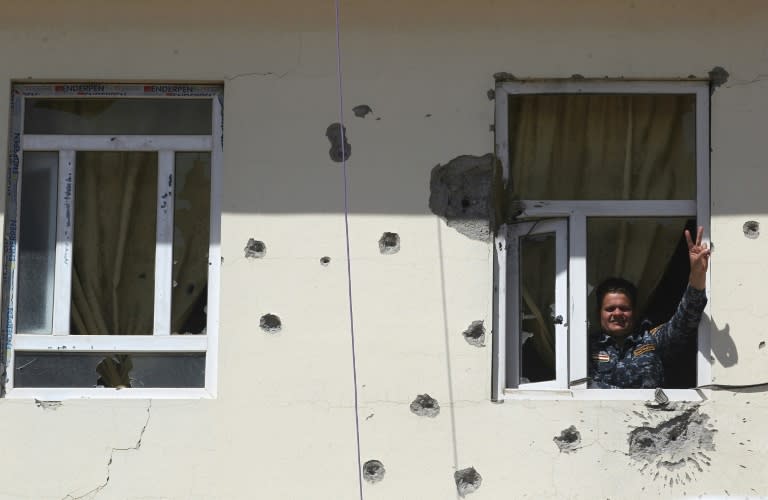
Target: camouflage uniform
x,y
638,364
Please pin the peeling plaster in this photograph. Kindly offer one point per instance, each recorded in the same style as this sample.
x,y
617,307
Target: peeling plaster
x,y
461,193
48,405
373,471
425,406
467,481
475,334
569,440
340,147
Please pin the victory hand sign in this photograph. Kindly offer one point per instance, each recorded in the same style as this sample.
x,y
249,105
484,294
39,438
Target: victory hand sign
x,y
698,254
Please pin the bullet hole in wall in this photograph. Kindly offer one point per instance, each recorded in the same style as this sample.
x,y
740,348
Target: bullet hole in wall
x,y
373,471
255,249
460,193
569,440
675,443
362,110
389,243
761,345
751,229
324,261
475,334
340,147
717,76
491,94
467,481
270,323
425,406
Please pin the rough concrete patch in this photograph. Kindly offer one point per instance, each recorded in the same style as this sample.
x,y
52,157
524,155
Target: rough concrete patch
x,y
425,406
362,110
751,229
270,323
467,481
389,243
48,405
717,76
340,147
373,471
569,440
255,249
324,261
460,193
674,443
475,334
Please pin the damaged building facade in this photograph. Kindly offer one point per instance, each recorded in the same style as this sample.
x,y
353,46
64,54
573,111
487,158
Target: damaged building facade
x,y
414,169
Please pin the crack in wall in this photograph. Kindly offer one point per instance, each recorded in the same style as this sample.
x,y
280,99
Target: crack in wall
x,y
95,491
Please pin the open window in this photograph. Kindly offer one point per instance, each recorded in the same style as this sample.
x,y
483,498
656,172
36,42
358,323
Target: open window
x,y
112,241
600,179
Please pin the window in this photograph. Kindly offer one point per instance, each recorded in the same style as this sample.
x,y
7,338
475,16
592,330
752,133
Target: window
x,y
111,263
600,179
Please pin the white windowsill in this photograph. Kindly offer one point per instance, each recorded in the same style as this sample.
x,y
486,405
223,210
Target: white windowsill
x,y
695,395
67,393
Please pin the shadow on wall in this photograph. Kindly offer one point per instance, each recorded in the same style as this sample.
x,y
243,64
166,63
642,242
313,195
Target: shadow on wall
x,y
723,346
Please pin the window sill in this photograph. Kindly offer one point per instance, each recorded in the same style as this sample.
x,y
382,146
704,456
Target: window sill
x,y
67,393
605,394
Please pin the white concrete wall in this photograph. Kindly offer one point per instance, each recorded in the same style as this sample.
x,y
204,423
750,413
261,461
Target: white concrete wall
x,y
283,426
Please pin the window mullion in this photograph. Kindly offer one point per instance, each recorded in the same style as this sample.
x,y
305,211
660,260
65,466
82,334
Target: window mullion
x,y
577,323
62,295
164,243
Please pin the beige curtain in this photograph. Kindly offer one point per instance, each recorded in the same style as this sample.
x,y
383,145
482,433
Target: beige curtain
x,y
114,247
603,147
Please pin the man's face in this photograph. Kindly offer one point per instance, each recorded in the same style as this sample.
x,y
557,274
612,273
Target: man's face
x,y
616,315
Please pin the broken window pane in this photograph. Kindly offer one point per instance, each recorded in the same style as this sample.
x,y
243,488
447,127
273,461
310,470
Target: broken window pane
x,y
37,242
537,297
127,116
602,147
113,272
191,239
109,370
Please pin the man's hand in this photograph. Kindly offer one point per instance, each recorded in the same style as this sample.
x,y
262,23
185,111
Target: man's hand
x,y
698,254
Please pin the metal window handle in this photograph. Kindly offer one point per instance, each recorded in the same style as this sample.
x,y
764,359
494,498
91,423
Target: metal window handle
x,y
558,320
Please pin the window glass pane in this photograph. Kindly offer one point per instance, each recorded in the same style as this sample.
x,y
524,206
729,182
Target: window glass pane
x,y
113,272
117,116
537,297
109,370
191,239
641,250
37,242
611,147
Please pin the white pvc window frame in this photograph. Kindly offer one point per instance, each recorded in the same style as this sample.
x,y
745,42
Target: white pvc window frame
x,y
161,341
576,213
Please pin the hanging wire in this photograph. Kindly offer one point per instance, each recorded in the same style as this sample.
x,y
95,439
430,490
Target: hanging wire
x,y
346,237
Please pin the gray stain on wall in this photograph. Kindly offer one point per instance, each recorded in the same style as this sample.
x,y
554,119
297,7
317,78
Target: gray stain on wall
x,y
460,193
340,147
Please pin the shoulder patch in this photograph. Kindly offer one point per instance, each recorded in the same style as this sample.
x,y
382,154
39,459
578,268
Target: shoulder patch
x,y
655,329
643,348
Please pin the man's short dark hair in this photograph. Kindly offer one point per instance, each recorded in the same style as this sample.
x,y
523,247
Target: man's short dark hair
x,y
615,285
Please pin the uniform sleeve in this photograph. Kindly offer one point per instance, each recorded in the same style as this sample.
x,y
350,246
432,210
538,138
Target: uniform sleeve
x,y
684,322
